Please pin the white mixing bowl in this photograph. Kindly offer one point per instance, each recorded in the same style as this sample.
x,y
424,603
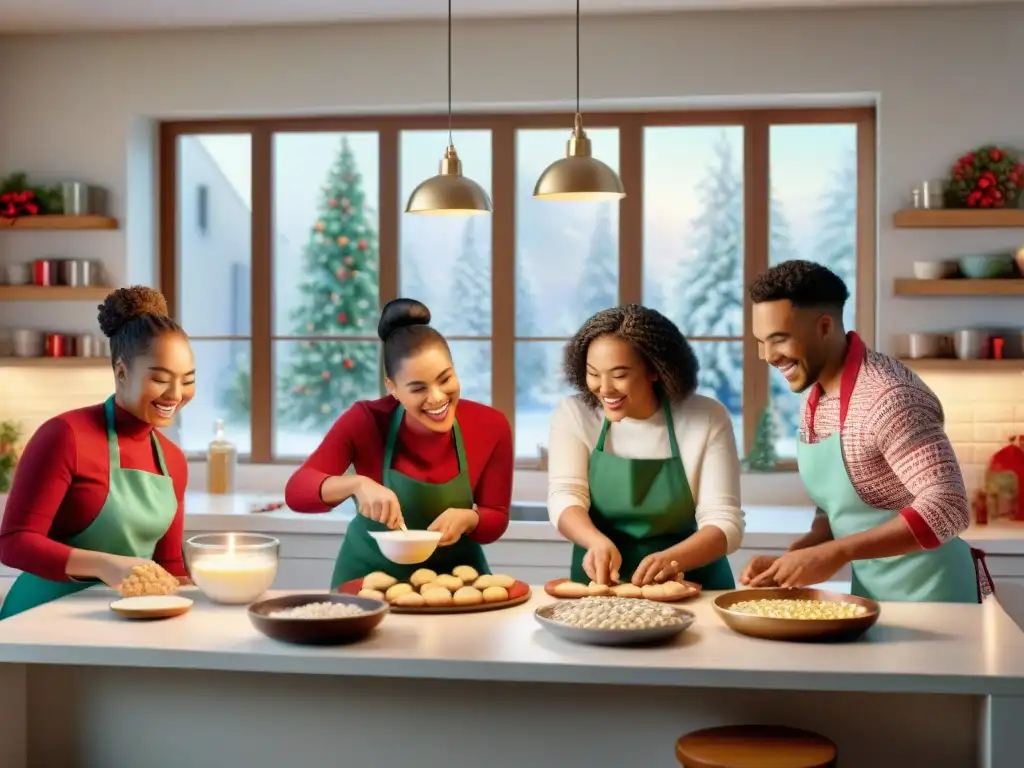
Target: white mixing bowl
x,y
407,547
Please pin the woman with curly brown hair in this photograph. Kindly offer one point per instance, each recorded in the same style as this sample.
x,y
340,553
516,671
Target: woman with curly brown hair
x,y
643,473
99,491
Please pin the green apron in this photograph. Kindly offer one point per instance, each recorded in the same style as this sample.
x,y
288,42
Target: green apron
x,y
421,504
645,506
139,509
946,574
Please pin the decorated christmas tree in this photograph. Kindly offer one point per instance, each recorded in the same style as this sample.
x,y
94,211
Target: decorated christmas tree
x,y
339,298
238,398
762,456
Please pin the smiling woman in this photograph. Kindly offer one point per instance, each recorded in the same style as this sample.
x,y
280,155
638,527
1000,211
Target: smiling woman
x,y
423,457
99,492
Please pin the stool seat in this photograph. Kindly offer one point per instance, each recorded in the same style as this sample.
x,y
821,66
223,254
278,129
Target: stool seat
x,y
755,746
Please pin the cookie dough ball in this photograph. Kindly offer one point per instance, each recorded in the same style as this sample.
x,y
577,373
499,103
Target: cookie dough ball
x,y
595,589
467,573
468,596
495,595
653,592
396,591
411,600
570,589
627,590
483,582
421,577
437,597
431,585
380,581
148,579
675,591
449,582
502,580
373,594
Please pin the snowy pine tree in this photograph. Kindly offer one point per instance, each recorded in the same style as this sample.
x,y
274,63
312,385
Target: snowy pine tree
x,y
599,279
532,377
836,245
785,404
412,284
469,314
710,288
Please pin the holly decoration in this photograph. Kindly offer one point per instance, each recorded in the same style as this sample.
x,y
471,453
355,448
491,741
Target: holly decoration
x,y
762,456
339,296
20,198
988,177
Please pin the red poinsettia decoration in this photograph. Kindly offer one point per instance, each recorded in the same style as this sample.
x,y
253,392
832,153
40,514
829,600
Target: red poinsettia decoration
x,y
988,177
15,204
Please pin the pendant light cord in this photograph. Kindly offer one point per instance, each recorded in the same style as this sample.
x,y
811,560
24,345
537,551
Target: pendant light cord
x,y
577,56
450,143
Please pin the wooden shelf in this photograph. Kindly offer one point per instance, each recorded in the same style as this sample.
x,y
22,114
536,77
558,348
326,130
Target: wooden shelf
x,y
53,362
54,223
958,218
53,293
1009,286
951,365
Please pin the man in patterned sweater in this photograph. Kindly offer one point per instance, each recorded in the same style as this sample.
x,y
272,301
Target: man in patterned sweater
x,y
872,453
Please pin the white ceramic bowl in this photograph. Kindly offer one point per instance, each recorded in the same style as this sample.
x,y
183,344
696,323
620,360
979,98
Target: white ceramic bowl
x,y
933,270
407,547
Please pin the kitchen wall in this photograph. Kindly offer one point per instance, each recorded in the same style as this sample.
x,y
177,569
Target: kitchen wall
x,y
80,107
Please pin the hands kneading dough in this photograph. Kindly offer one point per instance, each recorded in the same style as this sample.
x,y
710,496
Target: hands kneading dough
x,y
464,586
670,590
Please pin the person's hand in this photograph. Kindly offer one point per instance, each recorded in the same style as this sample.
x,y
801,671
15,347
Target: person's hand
x,y
602,562
136,576
657,568
378,503
453,524
803,567
755,568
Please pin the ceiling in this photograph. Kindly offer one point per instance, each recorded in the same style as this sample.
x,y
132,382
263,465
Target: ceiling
x,y
25,16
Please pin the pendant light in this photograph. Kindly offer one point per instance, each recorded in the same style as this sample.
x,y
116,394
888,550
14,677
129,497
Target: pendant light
x,y
449,193
579,176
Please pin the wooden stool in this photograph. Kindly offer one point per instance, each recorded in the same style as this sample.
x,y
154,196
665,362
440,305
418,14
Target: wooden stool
x,y
755,746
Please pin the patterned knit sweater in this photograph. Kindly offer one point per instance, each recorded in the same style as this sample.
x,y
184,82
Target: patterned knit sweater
x,y
896,450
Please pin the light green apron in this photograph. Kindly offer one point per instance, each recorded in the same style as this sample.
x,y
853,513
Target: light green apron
x,y
139,509
645,506
946,574
421,504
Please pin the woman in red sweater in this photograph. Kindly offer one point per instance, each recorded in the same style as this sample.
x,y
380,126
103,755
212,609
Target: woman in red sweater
x,y
414,461
98,490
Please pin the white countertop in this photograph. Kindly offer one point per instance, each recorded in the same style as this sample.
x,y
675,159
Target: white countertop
x,y
768,527
927,648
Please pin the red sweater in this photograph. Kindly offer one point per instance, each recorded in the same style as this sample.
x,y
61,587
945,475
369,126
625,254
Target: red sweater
x,y
61,485
357,439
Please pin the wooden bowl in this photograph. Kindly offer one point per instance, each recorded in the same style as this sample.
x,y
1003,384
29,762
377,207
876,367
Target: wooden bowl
x,y
800,630
317,631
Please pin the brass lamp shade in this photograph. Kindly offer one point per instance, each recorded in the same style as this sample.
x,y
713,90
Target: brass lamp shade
x,y
579,177
449,193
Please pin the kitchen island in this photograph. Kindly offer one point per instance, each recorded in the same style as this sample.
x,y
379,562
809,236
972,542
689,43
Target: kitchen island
x,y
935,685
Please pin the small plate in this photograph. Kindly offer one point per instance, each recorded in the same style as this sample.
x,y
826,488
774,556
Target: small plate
x,y
151,607
617,637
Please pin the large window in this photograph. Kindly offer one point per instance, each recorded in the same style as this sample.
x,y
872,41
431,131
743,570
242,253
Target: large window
x,y
281,239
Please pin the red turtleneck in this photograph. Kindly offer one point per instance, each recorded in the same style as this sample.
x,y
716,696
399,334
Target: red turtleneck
x,y
357,440
61,485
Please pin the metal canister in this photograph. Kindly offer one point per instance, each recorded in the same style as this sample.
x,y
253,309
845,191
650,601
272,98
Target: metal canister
x,y
77,272
26,343
56,345
101,347
42,272
77,198
85,345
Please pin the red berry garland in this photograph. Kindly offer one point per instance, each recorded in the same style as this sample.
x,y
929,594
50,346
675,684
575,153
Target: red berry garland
x,y
988,177
14,204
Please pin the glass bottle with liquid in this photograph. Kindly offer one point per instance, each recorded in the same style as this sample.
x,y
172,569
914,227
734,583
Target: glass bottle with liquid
x,y
221,460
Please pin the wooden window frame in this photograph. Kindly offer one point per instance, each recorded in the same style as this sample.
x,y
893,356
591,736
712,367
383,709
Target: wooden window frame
x,y
503,127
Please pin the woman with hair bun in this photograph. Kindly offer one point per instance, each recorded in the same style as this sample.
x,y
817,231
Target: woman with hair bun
x,y
643,473
422,457
99,491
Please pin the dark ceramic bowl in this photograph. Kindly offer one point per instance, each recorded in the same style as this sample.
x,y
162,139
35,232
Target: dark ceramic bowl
x,y
317,631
